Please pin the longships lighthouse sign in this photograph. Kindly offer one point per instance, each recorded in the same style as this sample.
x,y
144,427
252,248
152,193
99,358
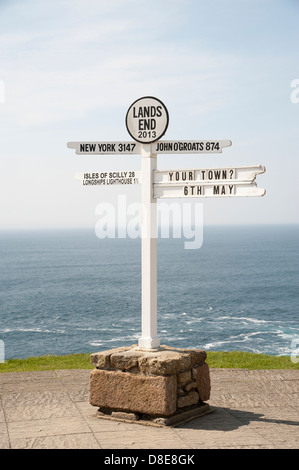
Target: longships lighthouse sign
x,y
147,120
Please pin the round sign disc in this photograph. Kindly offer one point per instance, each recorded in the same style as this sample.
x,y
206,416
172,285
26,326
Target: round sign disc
x,y
147,119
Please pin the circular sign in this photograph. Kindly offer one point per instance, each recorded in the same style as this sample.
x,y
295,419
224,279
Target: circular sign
x,y
147,119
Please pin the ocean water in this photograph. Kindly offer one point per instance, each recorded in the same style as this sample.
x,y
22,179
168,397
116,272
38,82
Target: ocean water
x,y
65,292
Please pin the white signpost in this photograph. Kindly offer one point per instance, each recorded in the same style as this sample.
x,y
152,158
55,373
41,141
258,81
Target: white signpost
x,y
147,121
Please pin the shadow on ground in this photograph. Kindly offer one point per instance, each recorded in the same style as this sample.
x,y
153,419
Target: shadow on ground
x,y
225,419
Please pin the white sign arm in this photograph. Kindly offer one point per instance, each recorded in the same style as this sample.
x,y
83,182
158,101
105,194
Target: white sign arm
x,y
208,190
106,148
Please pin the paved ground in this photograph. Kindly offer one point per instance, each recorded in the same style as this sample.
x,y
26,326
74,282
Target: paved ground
x,y
252,409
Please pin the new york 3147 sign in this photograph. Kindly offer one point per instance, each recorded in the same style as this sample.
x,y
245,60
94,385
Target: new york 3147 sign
x,y
147,120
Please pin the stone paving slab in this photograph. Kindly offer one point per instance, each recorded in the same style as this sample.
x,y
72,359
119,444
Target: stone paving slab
x,y
50,410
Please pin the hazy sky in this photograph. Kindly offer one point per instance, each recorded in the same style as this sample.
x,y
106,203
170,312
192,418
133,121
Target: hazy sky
x,y
70,69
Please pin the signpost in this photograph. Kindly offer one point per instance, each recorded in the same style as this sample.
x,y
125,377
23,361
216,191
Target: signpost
x,y
147,121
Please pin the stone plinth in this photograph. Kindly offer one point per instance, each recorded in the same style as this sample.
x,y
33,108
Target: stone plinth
x,y
131,392
156,386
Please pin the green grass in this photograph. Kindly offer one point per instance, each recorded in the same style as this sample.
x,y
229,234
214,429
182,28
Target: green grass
x,y
71,361
233,359
246,360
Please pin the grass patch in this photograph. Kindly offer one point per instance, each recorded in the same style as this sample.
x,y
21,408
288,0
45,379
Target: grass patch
x,y
49,362
219,359
246,360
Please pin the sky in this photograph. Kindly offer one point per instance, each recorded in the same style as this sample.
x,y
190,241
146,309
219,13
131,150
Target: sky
x,y
70,69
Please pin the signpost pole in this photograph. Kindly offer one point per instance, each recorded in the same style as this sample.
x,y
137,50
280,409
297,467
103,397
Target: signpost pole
x,y
149,339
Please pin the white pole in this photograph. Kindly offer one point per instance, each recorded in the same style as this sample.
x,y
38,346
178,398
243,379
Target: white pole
x,y
149,339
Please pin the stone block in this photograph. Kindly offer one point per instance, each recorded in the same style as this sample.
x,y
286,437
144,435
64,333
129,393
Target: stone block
x,y
101,360
184,377
197,356
168,363
125,415
122,391
190,386
188,400
202,377
125,360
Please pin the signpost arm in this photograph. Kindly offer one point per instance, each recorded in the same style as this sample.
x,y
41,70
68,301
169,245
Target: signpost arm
x,y
149,339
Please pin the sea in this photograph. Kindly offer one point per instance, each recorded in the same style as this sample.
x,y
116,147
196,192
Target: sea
x,y
68,291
